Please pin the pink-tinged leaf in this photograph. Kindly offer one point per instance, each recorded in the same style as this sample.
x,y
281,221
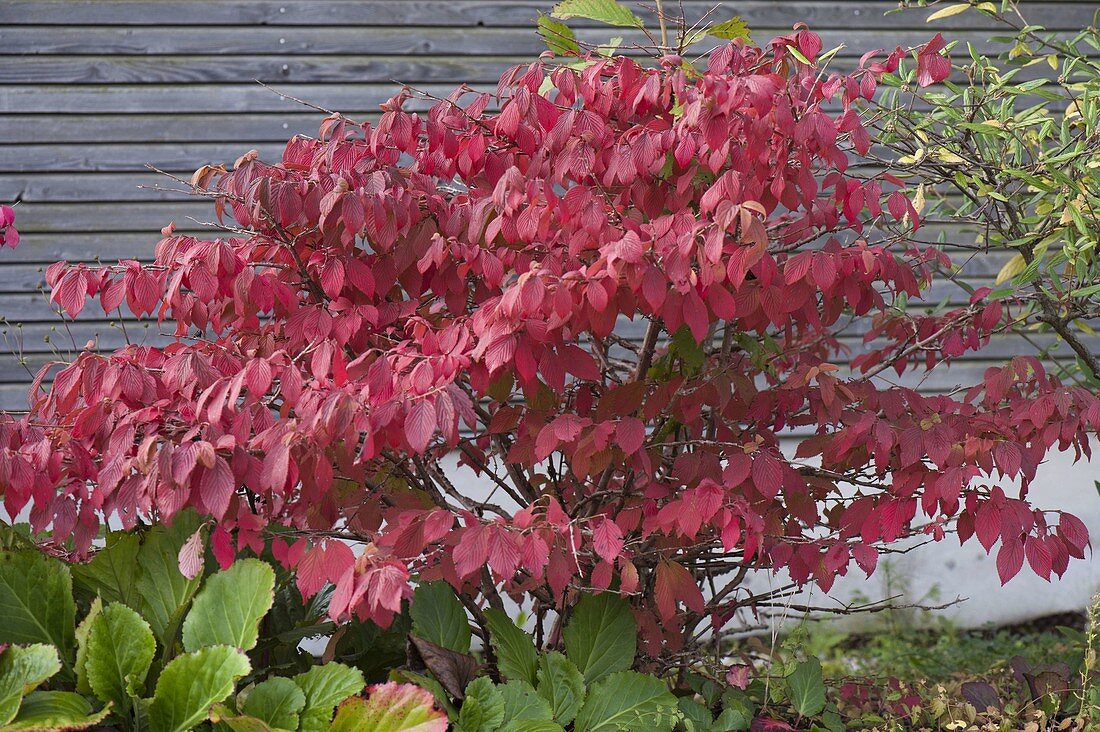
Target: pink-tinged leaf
x,y
607,540
767,474
276,468
932,66
310,575
739,676
216,487
420,424
630,433
1038,557
866,557
602,575
391,707
192,554
1010,558
221,543
674,584
472,551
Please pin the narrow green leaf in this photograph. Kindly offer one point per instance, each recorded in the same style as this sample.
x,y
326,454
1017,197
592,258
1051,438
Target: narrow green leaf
x,y
558,36
21,669
229,608
224,717
325,687
36,602
562,685
807,688
191,684
82,631
482,709
438,617
601,636
46,711
733,29
277,701
604,11
120,650
514,649
628,701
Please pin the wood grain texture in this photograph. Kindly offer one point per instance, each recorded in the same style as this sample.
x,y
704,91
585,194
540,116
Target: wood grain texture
x,y
93,90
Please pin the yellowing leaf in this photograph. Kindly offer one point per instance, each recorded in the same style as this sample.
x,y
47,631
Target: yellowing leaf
x,y
604,11
918,199
730,30
1013,267
949,157
948,11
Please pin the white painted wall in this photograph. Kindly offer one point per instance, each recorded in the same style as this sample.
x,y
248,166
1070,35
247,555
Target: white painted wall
x,y
940,572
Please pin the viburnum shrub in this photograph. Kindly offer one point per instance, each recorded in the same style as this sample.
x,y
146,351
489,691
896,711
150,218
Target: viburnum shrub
x,y
461,282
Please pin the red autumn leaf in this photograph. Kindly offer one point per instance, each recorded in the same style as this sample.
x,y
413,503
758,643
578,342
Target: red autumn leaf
x,y
932,65
607,540
1010,558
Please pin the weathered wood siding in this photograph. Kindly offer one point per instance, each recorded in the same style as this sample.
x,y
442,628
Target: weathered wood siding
x,y
91,91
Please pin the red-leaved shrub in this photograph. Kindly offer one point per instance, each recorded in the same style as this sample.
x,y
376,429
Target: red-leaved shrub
x,y
463,281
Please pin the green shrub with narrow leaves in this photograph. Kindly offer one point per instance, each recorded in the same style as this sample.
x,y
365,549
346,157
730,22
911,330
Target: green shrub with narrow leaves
x,y
157,651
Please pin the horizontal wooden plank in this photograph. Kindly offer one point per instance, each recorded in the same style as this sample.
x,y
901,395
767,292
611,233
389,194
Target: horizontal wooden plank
x,y
77,157
63,187
396,41
269,69
484,13
356,100
148,217
153,126
85,246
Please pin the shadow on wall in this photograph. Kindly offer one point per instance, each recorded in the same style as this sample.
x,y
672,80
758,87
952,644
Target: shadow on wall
x,y
938,573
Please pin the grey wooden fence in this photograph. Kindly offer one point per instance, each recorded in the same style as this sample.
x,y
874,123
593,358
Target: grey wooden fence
x,y
93,90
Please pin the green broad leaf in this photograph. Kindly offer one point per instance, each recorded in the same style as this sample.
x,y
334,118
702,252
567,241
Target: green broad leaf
x,y
438,617
738,710
696,717
46,711
325,687
514,649
110,573
628,700
733,29
610,12
165,592
191,684
532,725
561,684
601,637
229,608
22,668
558,37
277,701
807,688
36,602
224,717
119,652
482,709
523,704
391,707
82,631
